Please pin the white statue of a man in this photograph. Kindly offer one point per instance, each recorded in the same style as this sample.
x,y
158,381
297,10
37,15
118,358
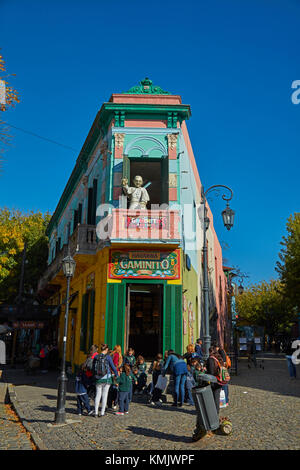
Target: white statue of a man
x,y
138,195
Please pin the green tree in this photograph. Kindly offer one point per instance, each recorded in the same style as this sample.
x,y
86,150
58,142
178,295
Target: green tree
x,y
16,229
264,304
288,267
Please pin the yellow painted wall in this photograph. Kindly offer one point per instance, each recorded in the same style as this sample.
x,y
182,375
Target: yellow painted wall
x,y
85,266
190,305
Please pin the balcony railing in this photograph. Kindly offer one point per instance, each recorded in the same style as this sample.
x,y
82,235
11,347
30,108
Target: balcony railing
x,y
149,226
82,241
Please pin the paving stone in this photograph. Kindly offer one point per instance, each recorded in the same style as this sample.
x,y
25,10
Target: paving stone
x,y
266,417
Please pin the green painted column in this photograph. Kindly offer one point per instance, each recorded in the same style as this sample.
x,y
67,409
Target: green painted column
x,y
115,314
172,321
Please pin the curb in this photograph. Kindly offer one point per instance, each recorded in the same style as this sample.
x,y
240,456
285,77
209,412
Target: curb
x,y
3,392
14,401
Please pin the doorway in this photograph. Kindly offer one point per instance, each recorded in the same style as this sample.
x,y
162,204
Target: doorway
x,y
144,322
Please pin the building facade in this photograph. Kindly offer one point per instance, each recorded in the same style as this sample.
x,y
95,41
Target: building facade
x,y
138,278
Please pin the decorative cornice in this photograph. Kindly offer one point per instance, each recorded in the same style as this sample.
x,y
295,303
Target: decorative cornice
x,y
146,87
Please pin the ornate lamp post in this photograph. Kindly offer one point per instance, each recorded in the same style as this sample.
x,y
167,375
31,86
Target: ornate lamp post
x,y
240,289
228,219
68,265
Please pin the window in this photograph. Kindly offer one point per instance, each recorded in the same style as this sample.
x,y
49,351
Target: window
x,y
87,320
92,203
152,171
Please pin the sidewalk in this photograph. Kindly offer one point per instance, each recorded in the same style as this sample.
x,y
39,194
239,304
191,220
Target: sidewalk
x,y
264,409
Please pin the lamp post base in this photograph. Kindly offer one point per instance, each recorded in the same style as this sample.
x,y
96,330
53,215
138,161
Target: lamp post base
x,y
206,346
60,415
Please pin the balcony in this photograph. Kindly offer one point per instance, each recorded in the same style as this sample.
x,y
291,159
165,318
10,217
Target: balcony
x,y
83,241
147,226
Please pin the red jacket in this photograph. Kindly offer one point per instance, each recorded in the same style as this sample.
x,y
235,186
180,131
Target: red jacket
x,y
89,373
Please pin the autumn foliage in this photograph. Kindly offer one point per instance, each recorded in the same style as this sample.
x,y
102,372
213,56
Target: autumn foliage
x,y
16,228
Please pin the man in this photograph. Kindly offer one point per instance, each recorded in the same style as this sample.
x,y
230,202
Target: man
x,y
138,196
198,348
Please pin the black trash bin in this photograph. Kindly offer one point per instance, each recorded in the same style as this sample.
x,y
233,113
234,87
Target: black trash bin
x,y
207,416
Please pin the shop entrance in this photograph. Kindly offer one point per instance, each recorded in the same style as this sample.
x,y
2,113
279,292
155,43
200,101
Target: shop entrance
x,y
144,325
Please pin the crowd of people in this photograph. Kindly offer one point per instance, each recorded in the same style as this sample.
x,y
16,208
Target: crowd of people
x,y
112,378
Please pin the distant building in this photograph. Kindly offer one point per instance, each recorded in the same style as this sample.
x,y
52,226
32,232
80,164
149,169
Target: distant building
x,y
138,278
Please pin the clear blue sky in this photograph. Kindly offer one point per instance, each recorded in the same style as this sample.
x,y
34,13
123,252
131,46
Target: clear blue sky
x,y
233,61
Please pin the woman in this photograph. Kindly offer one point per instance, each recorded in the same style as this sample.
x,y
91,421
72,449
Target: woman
x,y
103,365
190,353
212,369
117,358
180,374
88,367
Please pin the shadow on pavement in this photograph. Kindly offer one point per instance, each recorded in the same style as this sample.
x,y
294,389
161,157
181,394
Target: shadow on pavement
x,y
167,407
152,433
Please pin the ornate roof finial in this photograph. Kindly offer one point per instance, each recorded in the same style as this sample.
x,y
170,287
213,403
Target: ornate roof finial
x,y
146,87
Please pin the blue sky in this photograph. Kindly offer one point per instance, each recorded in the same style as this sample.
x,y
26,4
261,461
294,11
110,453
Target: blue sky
x,y
232,61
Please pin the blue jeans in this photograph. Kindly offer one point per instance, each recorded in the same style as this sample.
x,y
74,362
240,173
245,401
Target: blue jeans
x,y
83,402
226,391
291,366
123,401
190,399
179,388
131,392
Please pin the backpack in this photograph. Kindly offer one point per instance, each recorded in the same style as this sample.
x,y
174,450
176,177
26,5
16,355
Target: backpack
x,y
88,365
100,366
223,376
228,361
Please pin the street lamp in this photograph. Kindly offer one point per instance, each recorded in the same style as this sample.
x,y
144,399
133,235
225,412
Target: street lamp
x,y
240,289
228,219
68,266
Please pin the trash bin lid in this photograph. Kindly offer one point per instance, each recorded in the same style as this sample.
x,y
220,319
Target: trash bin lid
x,y
208,378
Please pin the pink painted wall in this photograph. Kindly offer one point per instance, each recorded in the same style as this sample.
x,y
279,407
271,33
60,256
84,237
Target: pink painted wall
x,y
145,99
221,281
134,123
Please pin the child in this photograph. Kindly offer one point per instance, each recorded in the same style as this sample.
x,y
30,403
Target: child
x,y
81,383
198,371
155,368
124,382
129,358
134,374
142,373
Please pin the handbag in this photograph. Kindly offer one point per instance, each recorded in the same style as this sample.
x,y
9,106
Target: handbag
x,y
161,382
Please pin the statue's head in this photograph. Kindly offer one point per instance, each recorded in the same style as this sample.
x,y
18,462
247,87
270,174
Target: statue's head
x,y
138,181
